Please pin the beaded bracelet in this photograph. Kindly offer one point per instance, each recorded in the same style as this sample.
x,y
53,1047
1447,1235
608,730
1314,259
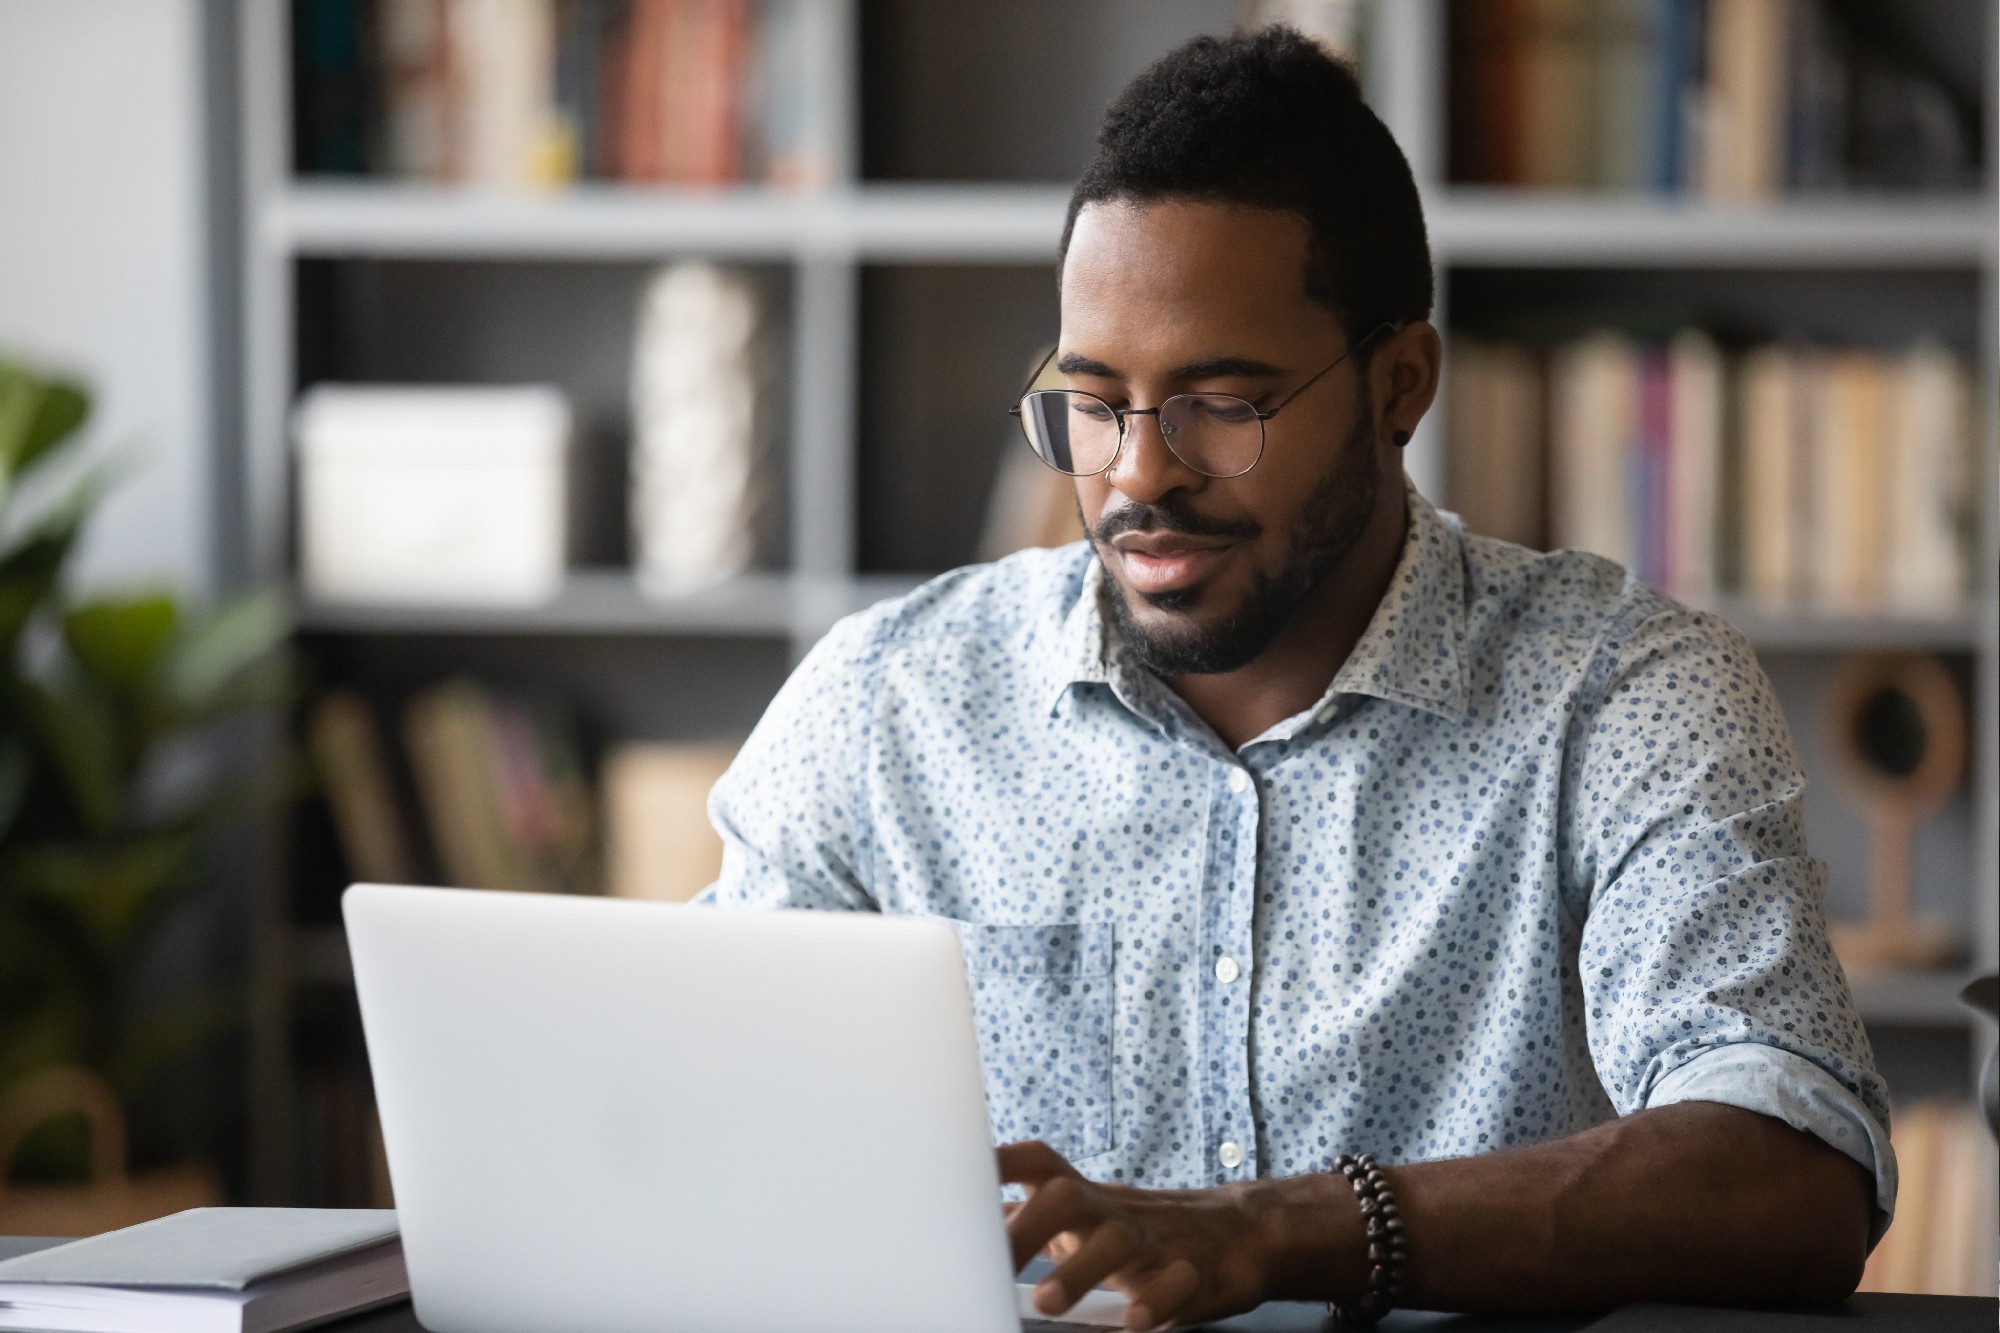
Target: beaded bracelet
x,y
1387,1252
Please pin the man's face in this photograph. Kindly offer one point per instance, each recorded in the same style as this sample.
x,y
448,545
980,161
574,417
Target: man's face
x,y
1173,297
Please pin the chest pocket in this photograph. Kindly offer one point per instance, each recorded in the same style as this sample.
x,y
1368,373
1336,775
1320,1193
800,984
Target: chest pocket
x,y
1043,1001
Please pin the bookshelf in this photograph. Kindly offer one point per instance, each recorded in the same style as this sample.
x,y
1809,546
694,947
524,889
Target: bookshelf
x,y
947,187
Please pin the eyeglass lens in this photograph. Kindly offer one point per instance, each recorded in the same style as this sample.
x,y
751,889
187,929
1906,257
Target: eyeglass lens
x,y
1078,433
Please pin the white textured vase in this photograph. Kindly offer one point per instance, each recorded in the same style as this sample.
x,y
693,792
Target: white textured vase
x,y
697,428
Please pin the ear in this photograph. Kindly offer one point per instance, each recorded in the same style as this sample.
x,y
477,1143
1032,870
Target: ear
x,y
1403,376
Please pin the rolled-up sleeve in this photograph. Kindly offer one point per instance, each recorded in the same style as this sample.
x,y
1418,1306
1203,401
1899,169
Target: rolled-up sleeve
x,y
1704,959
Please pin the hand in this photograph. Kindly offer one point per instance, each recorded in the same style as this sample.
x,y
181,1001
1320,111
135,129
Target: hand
x,y
1179,1256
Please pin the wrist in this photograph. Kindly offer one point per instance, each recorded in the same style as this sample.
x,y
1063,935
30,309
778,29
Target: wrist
x,y
1310,1235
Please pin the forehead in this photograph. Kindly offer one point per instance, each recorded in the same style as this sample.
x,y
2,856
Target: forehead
x,y
1174,269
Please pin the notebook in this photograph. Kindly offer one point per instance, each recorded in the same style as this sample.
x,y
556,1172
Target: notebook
x,y
211,1270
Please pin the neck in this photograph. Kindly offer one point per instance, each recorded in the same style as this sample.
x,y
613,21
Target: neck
x,y
1292,673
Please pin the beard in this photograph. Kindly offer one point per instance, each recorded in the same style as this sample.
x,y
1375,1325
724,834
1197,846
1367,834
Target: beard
x,y
1329,525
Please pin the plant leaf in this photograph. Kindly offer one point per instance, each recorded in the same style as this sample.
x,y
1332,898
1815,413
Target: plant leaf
x,y
15,765
108,892
28,573
239,636
78,737
36,413
121,642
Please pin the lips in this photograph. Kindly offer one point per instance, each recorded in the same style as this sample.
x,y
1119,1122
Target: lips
x,y
1163,562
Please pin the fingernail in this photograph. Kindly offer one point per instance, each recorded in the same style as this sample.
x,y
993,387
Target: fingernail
x,y
1138,1316
1049,1295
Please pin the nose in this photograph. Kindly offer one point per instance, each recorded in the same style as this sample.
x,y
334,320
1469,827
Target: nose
x,y
1146,468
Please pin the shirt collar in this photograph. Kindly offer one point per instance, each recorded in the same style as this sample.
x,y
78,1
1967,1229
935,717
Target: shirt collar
x,y
1412,652
1079,654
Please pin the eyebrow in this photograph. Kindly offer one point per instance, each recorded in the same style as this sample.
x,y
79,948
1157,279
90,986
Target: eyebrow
x,y
1215,368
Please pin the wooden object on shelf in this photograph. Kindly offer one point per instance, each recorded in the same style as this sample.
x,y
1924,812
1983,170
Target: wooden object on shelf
x,y
1897,732
656,812
112,1198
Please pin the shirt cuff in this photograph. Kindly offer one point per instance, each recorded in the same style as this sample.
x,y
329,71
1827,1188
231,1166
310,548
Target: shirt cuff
x,y
1793,1089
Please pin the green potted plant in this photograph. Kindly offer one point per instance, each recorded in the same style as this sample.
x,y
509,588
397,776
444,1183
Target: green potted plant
x,y
101,832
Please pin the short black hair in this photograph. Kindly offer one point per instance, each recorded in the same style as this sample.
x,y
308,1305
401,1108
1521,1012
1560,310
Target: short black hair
x,y
1272,120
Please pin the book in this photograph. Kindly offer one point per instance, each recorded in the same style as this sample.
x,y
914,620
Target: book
x,y
1625,61
1746,92
1495,476
1942,1239
1832,477
1482,94
1556,72
211,1270
660,844
1693,464
1593,412
1846,462
1771,425
347,751
455,762
531,94
1928,526
502,790
505,131
1732,100
336,95
416,78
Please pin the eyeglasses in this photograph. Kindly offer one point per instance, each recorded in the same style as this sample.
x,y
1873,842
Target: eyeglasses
x,y
1216,434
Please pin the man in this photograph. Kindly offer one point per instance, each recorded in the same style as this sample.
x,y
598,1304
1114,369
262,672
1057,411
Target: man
x,y
1284,819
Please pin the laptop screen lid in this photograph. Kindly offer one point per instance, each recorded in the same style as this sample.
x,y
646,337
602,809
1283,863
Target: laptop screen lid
x,y
620,1115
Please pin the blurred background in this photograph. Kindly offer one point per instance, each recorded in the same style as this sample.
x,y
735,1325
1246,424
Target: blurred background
x,y
466,413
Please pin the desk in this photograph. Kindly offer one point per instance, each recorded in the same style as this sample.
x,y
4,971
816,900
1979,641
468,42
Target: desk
x,y
1859,1314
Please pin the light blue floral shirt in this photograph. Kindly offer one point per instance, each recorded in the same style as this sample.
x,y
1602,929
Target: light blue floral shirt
x,y
1534,860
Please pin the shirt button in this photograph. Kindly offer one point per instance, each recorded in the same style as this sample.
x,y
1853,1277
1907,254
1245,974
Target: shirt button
x,y
1238,780
1226,970
1230,1155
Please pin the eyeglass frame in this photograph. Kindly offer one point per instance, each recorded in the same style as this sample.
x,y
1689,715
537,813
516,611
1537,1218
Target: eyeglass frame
x,y
1123,412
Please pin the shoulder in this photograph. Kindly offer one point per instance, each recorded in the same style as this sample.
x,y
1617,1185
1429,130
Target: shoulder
x,y
1006,607
1612,632
1584,598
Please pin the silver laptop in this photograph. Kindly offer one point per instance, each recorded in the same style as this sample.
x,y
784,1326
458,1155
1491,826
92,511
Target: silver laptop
x,y
633,1116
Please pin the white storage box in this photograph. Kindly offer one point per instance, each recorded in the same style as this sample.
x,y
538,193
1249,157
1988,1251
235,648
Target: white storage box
x,y
432,495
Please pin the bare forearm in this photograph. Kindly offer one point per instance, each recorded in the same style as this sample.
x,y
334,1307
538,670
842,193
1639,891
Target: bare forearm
x,y
1695,1202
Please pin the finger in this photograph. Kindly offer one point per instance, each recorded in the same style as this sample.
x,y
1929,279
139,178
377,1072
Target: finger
x,y
1112,1246
1065,1203
1031,1163
1159,1298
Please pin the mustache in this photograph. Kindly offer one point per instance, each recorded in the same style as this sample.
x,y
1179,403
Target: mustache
x,y
1171,514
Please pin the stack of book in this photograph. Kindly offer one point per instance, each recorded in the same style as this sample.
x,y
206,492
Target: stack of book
x,y
1942,1239
504,799
540,93
1720,99
1838,479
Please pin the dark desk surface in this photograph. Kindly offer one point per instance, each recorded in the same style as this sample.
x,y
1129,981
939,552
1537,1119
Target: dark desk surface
x,y
1858,1314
